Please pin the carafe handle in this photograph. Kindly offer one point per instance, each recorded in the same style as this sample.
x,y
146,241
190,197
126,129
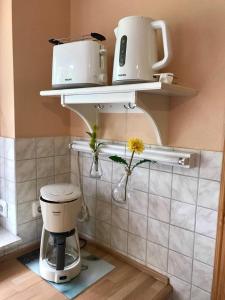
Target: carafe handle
x,y
159,24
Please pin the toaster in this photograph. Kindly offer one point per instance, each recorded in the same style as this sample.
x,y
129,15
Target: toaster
x,y
80,63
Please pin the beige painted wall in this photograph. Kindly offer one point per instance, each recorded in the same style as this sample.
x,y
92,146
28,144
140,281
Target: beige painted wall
x,y
197,31
34,22
7,125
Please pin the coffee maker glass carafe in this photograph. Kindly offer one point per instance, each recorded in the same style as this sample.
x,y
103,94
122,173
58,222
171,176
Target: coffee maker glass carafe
x,y
62,250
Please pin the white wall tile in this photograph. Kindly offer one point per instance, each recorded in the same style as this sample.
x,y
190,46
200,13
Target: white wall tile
x,y
202,275
25,170
45,167
103,232
10,172
120,217
158,167
44,147
87,227
160,183
9,148
198,294
136,247
118,172
91,203
183,215
24,212
25,148
61,178
10,191
103,211
62,145
87,161
119,239
62,164
206,222
184,188
181,240
157,256
107,170
26,191
2,167
139,202
2,142
211,163
158,232
159,208
104,191
208,193
140,179
204,249
138,224
181,289
180,266
89,186
28,231
2,188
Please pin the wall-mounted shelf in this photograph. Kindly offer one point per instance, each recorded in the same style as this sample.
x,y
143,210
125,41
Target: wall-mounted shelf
x,y
151,97
161,156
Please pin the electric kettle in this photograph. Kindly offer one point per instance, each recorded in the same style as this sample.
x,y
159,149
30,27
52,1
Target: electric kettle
x,y
135,58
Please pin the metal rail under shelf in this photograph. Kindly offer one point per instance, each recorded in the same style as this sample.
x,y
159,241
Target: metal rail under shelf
x,y
161,156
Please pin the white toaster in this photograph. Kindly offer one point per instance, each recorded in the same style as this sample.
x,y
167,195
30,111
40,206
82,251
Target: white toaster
x,y
79,64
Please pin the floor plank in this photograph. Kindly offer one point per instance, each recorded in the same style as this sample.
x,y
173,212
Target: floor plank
x,y
124,282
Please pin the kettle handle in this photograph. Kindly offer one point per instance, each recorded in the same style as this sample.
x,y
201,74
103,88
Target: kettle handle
x,y
116,31
160,24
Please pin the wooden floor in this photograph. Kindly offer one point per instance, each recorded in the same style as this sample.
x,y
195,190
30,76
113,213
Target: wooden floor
x,y
124,282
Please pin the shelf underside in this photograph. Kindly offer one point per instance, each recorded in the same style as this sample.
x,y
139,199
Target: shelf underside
x,y
150,98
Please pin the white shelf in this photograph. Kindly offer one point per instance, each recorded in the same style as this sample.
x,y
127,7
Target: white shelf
x,y
151,98
163,157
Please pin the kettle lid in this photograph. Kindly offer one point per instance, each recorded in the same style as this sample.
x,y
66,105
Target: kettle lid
x,y
60,192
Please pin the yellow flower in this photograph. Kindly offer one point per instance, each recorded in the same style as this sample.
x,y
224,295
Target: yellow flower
x,y
136,145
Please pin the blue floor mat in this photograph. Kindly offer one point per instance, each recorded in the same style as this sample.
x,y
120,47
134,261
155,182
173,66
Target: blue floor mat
x,y
93,268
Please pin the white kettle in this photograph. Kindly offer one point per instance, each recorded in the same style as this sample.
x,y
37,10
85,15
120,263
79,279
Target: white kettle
x,y
135,58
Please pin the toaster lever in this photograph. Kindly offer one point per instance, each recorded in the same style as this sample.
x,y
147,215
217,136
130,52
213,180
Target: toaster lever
x,y
98,36
55,42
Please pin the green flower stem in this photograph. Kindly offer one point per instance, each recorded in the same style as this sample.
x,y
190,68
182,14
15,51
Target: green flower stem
x,y
96,161
128,174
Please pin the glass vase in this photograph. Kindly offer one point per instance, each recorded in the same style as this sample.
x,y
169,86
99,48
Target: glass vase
x,y
122,191
96,169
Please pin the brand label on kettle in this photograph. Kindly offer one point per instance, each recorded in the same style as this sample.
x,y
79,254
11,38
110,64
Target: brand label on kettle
x,y
122,75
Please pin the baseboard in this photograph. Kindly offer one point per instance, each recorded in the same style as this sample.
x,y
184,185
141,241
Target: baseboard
x,y
21,251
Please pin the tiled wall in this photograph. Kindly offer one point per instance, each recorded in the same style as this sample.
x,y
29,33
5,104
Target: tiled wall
x,y
169,224
25,166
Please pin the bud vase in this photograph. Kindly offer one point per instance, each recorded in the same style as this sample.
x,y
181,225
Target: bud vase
x,y
96,169
122,191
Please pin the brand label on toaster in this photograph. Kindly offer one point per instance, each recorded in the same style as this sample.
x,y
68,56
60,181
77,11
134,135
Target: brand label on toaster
x,y
68,79
122,75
